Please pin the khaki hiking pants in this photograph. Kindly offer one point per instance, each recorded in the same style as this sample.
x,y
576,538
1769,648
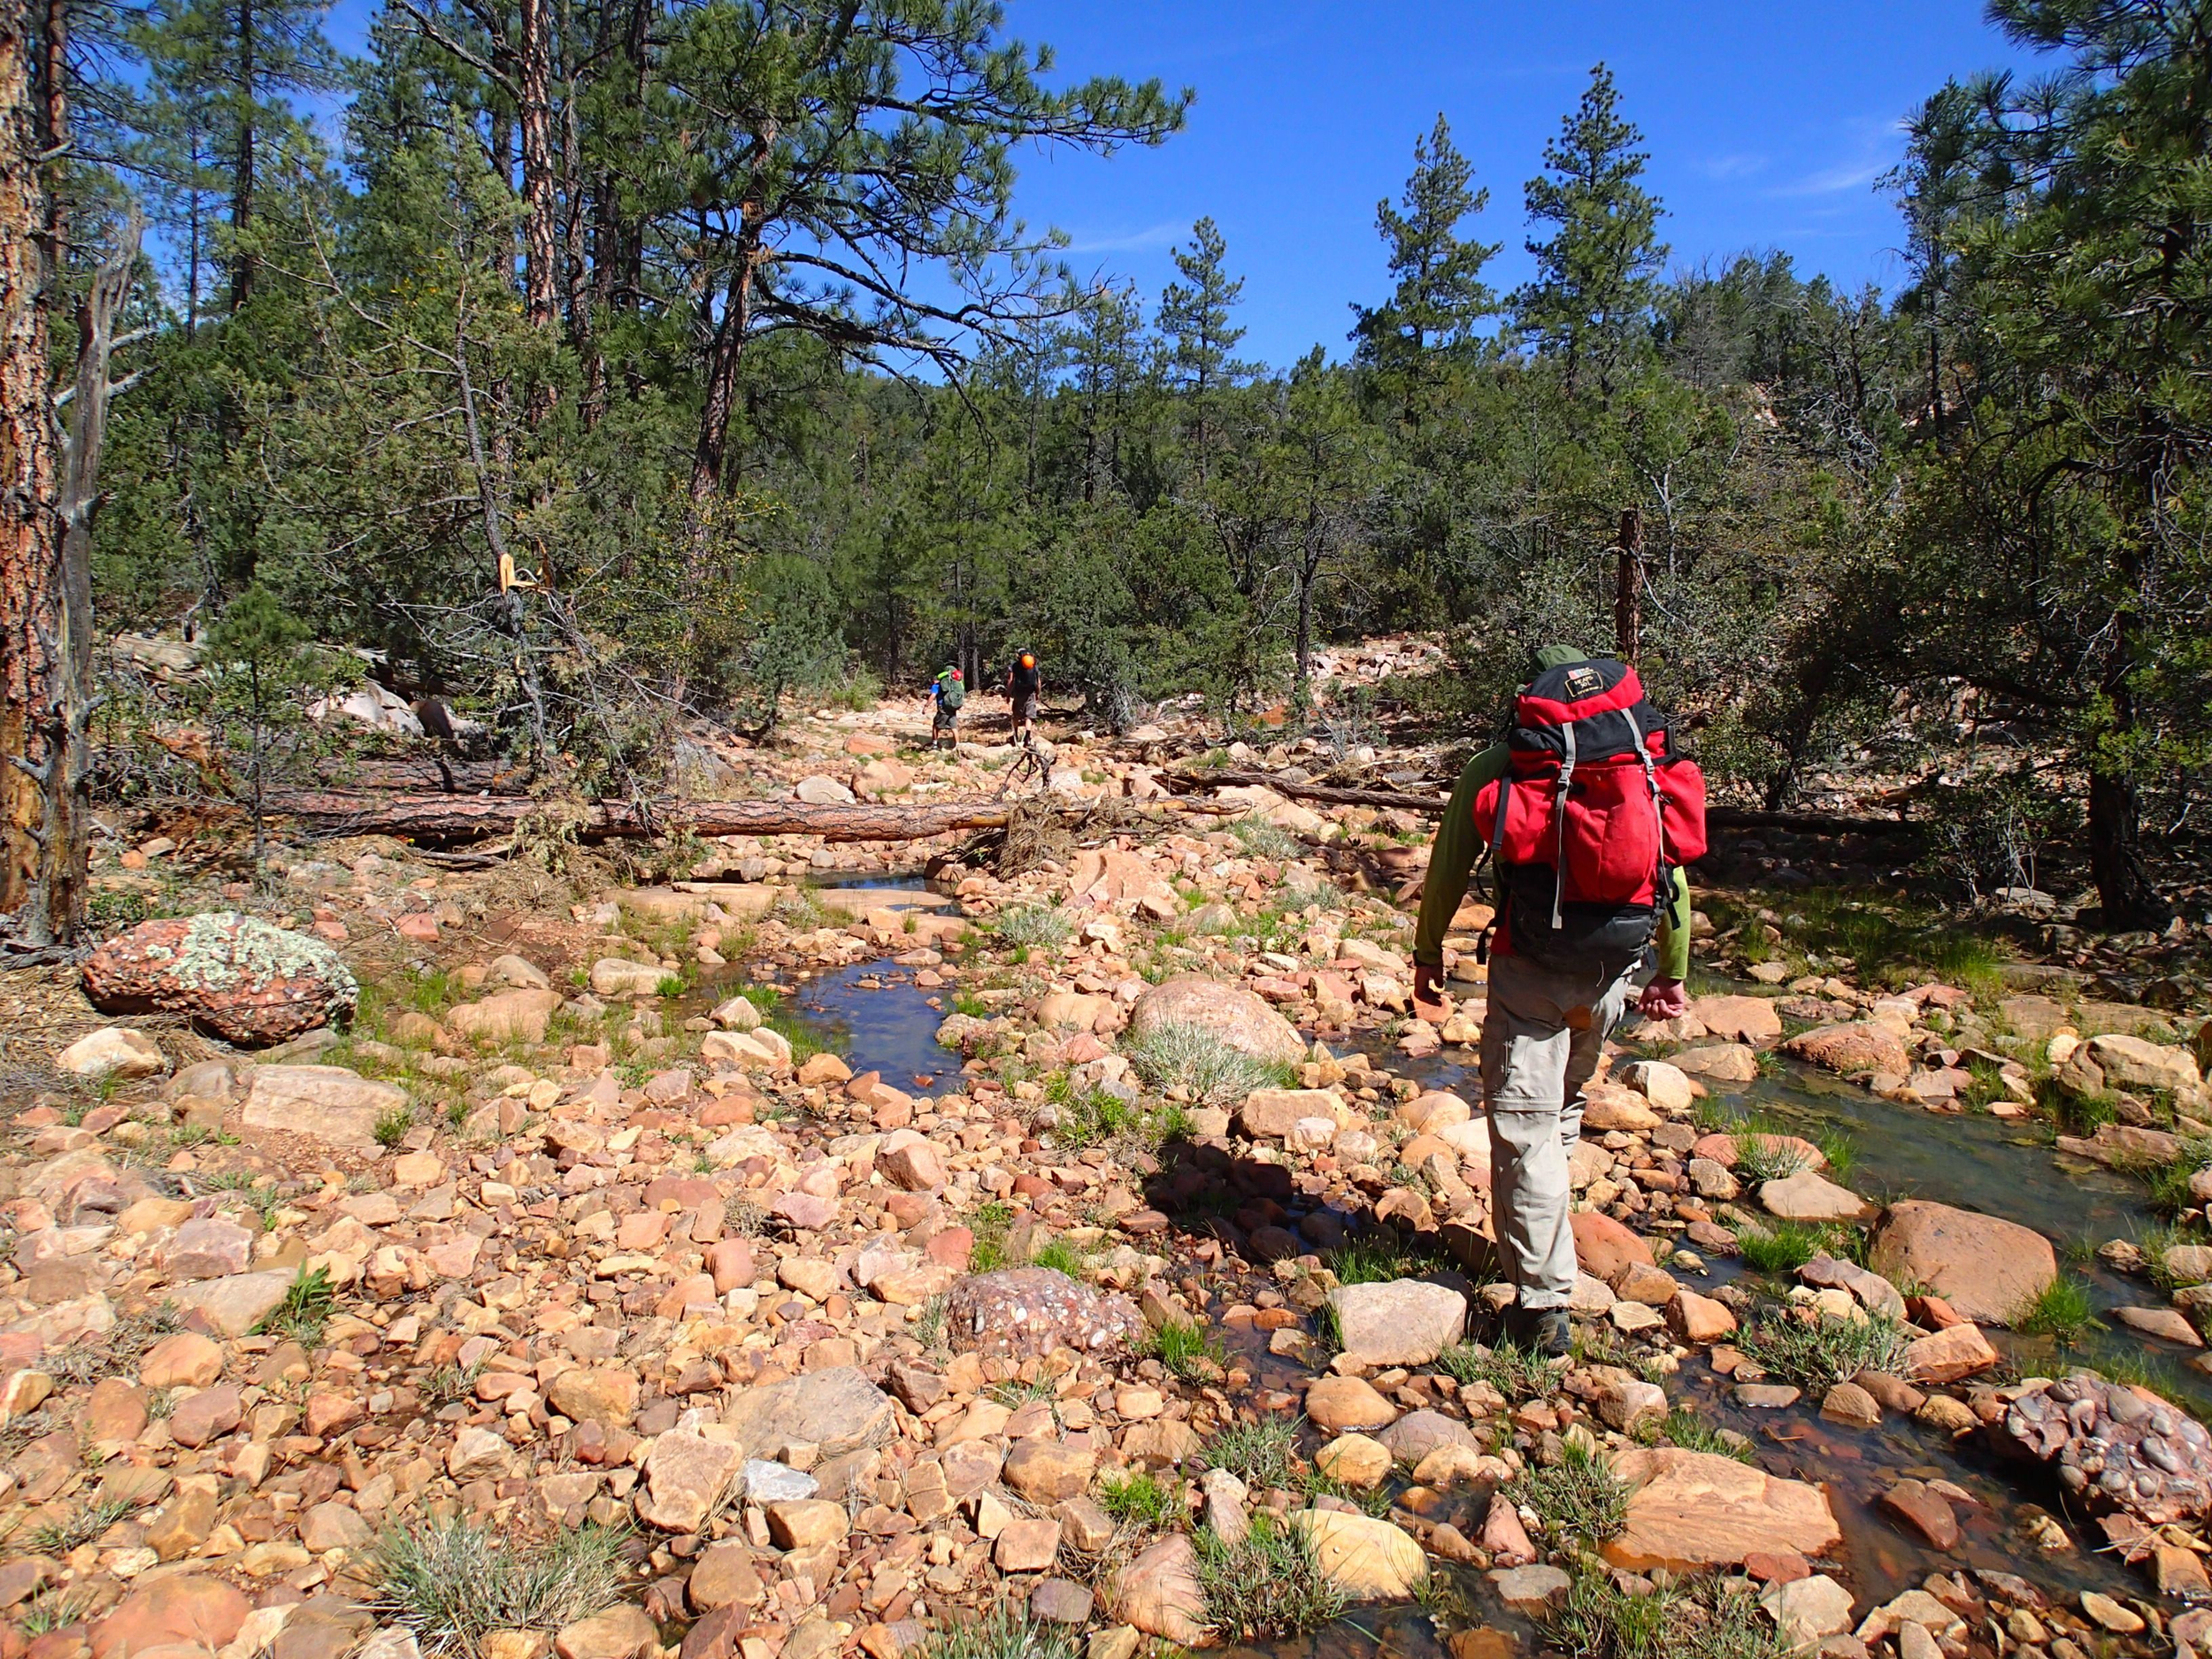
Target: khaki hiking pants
x,y
1541,1039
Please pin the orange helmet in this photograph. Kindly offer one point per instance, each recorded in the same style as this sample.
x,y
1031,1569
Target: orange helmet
x,y
1028,661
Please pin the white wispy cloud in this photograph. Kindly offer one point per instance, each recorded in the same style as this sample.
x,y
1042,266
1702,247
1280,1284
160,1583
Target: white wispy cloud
x,y
1160,235
1738,166
1874,146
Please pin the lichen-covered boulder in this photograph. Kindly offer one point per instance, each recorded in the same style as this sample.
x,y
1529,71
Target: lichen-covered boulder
x,y
1026,1312
2113,1449
248,982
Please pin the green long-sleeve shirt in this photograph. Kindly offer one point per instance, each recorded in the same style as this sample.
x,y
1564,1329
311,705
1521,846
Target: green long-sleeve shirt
x,y
1459,842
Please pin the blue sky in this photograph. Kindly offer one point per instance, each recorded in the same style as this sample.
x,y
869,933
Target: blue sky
x,y
1767,123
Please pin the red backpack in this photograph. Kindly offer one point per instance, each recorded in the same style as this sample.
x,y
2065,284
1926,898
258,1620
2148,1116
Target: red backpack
x,y
1592,816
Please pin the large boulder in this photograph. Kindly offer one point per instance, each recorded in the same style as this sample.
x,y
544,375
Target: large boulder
x,y
1406,1322
838,1410
324,1102
1364,1558
1158,1592
1239,1017
1985,1267
1027,1312
2116,1062
1604,1248
1805,1196
505,1016
248,982
1858,1045
1752,1020
1696,1511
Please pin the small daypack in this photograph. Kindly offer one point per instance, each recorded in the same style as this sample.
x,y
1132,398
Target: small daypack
x,y
1592,816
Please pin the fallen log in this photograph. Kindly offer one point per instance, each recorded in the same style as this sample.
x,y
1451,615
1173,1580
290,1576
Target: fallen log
x,y
1433,805
447,818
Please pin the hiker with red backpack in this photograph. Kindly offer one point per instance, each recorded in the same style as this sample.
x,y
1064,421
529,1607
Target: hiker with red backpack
x,y
1589,816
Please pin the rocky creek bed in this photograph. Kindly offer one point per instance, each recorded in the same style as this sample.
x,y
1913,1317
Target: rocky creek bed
x,y
1120,1259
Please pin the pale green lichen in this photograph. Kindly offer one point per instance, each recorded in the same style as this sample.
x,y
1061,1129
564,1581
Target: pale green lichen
x,y
221,949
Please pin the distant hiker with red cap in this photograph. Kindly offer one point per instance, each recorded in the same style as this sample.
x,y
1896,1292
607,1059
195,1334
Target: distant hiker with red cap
x,y
1024,688
1589,815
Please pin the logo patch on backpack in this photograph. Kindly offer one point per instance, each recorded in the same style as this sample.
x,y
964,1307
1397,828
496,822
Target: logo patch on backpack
x,y
1584,681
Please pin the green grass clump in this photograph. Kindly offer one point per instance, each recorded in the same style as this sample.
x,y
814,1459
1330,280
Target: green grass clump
x,y
1197,1060
1515,1372
1601,1620
1841,1148
1782,1246
1260,1454
392,1127
1816,1353
2062,1309
1188,1350
305,1310
1260,839
990,1225
1137,1497
1766,1149
1267,1586
1684,1427
1579,1496
1062,1257
452,1582
1372,1258
1005,1633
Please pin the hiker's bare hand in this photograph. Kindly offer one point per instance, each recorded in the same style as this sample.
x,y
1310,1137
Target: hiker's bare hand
x,y
1665,999
1429,1001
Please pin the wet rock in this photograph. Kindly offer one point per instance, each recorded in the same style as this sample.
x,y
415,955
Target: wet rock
x,y
323,1103
1530,1590
2110,1614
2114,1449
1158,1592
1239,1017
1338,1403
1504,1536
1851,1406
1026,1312
1924,1511
1367,1560
1355,1460
2165,1324
248,982
1853,1047
1689,1511
112,1051
1405,1321
1414,1436
1985,1267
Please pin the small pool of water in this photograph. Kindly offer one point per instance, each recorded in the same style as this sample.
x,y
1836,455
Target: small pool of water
x,y
874,1018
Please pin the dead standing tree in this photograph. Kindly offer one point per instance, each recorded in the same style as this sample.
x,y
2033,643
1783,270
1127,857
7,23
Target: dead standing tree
x,y
48,494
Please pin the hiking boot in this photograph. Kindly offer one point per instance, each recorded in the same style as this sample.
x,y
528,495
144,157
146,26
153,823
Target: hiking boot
x,y
1543,1331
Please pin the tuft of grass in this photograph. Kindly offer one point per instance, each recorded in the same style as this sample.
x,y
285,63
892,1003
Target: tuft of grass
x,y
392,1127
305,1310
1137,1497
118,1348
1599,1620
2062,1309
1579,1496
83,1524
51,1610
1188,1350
1841,1148
1686,1427
1062,1257
993,1217
1783,1246
1268,1585
1765,1150
1032,927
1197,1060
1518,1374
1816,1353
1260,1454
453,1582
1005,1633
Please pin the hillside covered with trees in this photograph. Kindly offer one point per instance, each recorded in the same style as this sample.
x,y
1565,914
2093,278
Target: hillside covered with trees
x,y
715,322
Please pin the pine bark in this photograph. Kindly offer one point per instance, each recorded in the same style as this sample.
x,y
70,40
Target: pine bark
x,y
446,818
33,627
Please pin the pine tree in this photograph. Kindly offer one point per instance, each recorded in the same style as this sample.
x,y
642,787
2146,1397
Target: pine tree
x,y
1597,274
1195,320
1441,297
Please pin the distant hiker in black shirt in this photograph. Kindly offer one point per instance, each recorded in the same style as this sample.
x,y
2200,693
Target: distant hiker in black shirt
x,y
1025,687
